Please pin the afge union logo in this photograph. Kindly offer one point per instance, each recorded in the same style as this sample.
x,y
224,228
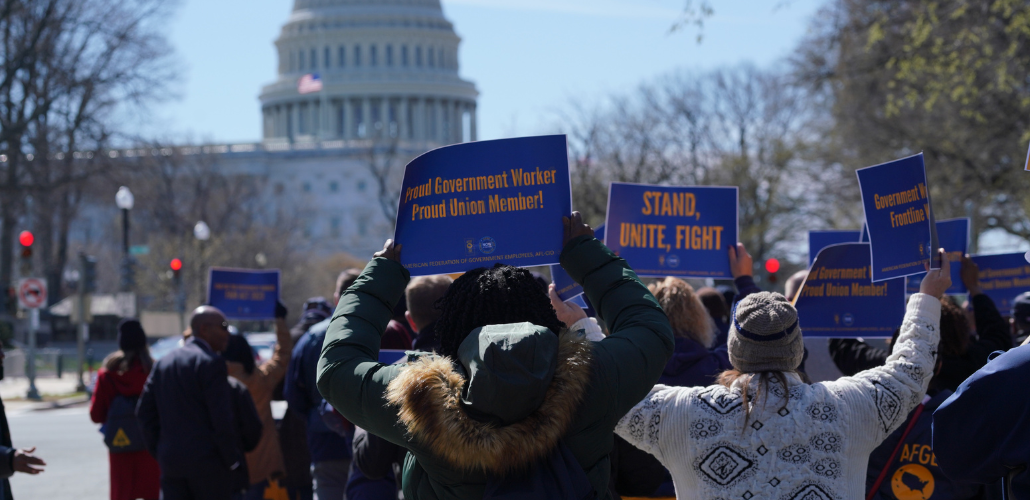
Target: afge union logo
x,y
912,482
487,245
470,247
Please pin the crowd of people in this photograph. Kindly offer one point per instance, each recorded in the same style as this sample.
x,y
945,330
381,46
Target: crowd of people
x,y
506,391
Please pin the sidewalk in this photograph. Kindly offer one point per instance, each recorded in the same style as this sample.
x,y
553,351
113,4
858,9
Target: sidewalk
x,y
56,392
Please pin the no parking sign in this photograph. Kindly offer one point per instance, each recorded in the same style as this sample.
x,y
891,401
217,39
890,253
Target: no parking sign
x,y
32,293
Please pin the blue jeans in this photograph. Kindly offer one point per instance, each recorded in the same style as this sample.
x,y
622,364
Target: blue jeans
x,y
330,478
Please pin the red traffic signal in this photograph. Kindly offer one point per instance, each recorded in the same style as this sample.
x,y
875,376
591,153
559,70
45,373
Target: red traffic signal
x,y
26,238
772,265
175,264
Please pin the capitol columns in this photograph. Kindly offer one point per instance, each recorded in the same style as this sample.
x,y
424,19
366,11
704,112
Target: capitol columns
x,y
402,119
472,122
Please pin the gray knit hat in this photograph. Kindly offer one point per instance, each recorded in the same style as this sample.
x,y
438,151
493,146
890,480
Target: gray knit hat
x,y
765,335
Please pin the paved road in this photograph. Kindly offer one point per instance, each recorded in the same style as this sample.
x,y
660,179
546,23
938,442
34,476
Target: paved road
x,y
73,449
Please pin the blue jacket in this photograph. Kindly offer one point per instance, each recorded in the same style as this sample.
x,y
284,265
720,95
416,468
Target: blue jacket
x,y
302,395
694,365
186,411
915,472
980,433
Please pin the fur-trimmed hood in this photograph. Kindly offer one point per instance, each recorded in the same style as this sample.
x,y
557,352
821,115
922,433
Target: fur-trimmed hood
x,y
434,397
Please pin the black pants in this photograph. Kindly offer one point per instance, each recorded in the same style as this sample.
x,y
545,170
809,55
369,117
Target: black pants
x,y
217,486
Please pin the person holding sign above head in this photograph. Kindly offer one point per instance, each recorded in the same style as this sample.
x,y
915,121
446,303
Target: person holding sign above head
x,y
761,432
514,403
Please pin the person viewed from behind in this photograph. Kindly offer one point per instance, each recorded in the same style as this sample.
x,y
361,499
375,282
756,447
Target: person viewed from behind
x,y
794,283
1020,319
693,363
980,433
330,451
187,414
719,312
293,427
903,466
957,364
265,463
134,472
762,432
14,459
515,402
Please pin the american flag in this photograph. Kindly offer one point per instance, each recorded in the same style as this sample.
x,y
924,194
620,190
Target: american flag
x,y
309,83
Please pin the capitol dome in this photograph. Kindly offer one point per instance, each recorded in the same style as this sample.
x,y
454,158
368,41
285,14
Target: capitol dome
x,y
388,68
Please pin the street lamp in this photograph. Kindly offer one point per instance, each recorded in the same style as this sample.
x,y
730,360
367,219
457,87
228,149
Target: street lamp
x,y
202,232
124,199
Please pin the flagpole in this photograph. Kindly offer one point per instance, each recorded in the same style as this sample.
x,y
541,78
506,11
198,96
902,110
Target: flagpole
x,y
322,120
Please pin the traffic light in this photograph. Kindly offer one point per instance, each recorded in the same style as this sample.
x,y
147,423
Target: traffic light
x,y
89,273
26,239
771,266
176,266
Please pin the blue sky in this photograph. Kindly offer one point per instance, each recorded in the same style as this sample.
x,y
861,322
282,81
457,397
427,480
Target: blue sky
x,y
529,58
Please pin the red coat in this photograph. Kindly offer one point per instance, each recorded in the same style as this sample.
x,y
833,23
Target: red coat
x,y
133,474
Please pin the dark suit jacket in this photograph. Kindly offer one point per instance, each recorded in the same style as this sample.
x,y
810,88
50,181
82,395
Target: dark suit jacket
x,y
186,411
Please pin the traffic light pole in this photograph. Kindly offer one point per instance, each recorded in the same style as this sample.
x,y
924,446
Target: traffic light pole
x,y
84,285
30,367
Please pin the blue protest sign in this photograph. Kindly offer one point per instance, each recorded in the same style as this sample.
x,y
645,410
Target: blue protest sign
x,y
566,287
838,298
471,205
683,231
954,239
244,293
1003,277
818,240
898,217
391,356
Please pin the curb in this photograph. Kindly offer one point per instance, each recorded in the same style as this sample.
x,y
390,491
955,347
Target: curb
x,y
60,403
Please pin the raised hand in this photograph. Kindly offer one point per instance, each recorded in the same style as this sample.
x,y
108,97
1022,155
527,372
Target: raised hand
x,y
574,226
937,281
390,251
741,263
568,313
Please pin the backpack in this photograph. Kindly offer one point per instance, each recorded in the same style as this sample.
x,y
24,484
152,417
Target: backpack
x,y
555,477
122,431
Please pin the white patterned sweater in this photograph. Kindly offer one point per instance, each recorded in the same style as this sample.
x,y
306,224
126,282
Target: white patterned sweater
x,y
814,448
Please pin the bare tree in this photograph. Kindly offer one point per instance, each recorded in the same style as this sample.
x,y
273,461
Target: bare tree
x,y
69,68
736,127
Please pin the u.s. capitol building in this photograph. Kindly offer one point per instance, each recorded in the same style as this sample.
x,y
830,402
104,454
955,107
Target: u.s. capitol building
x,y
390,90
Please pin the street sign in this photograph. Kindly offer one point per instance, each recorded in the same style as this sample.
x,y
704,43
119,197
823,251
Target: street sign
x,y
139,250
32,293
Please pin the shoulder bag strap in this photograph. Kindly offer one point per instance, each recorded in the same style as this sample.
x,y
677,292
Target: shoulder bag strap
x,y
886,466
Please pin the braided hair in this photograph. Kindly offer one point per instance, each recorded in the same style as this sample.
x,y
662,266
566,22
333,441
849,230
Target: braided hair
x,y
491,296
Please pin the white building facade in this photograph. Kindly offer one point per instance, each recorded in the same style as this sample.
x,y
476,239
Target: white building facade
x,y
389,68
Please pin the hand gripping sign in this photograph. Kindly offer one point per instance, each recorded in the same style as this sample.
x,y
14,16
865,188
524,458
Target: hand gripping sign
x,y
683,231
565,286
954,239
899,218
838,298
475,204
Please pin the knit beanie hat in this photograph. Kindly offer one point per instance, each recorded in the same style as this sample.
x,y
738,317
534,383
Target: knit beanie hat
x,y
131,336
765,335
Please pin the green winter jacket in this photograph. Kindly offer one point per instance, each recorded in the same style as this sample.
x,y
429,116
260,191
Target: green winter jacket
x,y
580,389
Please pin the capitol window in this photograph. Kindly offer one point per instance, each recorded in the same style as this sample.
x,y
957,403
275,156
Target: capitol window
x,y
306,187
325,59
334,187
361,186
389,55
372,59
418,56
342,63
432,57
357,55
301,66
404,55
